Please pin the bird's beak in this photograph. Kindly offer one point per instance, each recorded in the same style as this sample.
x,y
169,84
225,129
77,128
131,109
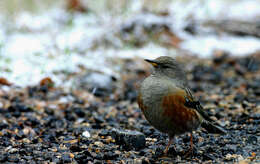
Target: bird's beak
x,y
154,63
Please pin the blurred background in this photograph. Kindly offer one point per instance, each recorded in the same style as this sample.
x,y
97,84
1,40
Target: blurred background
x,y
55,39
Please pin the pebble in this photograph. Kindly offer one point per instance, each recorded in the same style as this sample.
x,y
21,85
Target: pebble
x,y
129,139
12,150
252,139
99,144
66,158
86,134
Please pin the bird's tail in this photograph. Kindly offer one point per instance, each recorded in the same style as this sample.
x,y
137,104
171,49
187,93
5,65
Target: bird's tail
x,y
212,128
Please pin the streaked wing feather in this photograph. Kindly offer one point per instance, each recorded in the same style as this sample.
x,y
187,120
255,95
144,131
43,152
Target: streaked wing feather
x,y
192,103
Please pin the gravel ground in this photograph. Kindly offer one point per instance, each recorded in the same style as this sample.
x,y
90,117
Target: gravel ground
x,y
103,124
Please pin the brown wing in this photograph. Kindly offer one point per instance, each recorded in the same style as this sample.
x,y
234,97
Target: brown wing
x,y
174,108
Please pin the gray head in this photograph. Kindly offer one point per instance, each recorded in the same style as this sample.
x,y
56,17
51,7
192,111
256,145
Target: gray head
x,y
167,66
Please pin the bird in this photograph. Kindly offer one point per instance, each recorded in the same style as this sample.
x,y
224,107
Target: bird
x,y
168,104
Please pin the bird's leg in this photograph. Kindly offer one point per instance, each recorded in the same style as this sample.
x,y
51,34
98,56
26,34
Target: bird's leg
x,y
191,144
191,147
168,145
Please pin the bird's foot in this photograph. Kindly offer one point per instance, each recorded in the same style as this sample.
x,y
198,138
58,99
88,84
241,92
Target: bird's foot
x,y
191,152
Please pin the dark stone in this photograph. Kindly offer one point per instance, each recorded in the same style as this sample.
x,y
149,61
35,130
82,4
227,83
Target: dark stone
x,y
98,156
23,108
99,92
232,148
252,139
28,158
255,116
17,114
44,88
97,126
97,162
78,101
75,148
257,92
110,155
3,125
221,58
232,107
208,156
104,132
86,141
66,158
16,99
79,112
32,121
255,84
147,130
158,152
129,139
19,108
13,158
20,135
83,157
131,95
98,119
3,157
56,160
144,161
2,110
239,97
142,152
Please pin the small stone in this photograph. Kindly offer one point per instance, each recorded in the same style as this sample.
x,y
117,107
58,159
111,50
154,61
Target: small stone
x,y
99,144
98,119
228,157
3,157
110,155
72,155
232,148
234,156
13,158
13,150
109,139
257,92
66,158
86,134
79,112
252,139
117,152
75,148
103,132
129,139
208,156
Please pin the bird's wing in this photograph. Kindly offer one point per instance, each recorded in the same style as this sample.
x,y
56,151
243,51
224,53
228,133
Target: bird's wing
x,y
173,105
194,104
209,124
